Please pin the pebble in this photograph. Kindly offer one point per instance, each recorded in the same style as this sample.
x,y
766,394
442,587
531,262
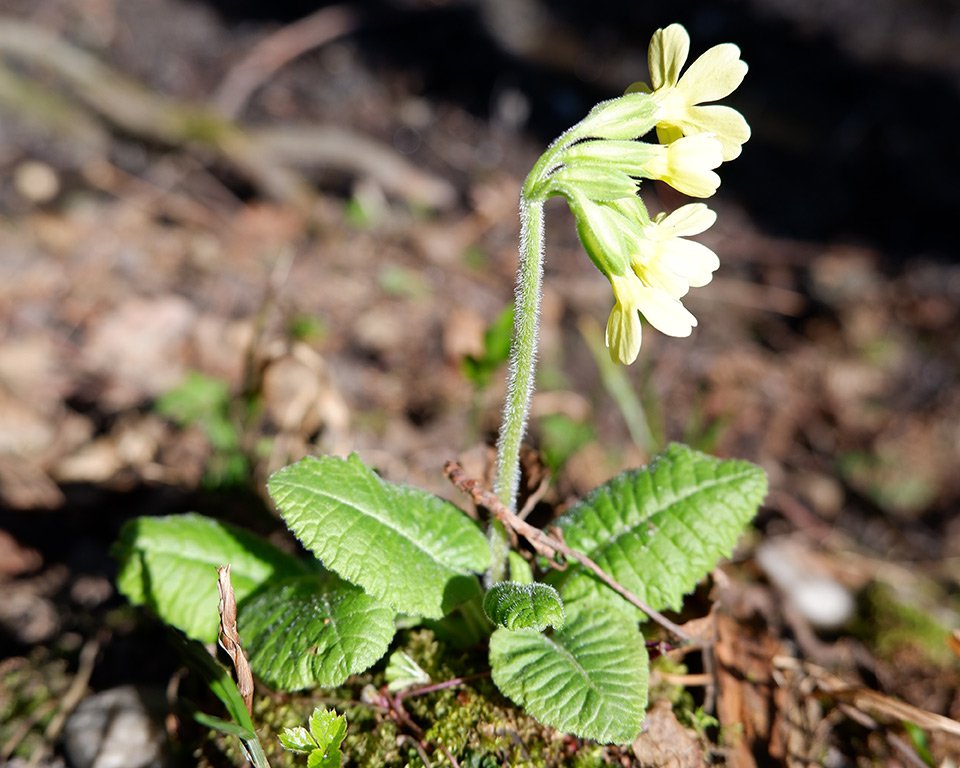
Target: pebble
x,y
822,600
116,728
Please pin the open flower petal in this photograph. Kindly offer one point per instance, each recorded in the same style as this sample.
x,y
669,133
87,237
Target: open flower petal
x,y
667,54
665,313
661,276
714,75
689,162
690,219
692,261
725,123
624,330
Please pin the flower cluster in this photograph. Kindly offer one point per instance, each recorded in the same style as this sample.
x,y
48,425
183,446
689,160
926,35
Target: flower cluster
x,y
599,164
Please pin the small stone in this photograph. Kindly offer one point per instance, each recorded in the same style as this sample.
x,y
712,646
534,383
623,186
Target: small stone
x,y
819,597
36,181
117,728
26,616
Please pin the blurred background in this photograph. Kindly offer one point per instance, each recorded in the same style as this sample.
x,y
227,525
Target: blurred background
x,y
232,233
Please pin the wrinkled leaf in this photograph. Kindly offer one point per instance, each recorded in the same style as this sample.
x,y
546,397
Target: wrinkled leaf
x,y
405,547
313,630
589,679
170,565
520,570
660,529
521,606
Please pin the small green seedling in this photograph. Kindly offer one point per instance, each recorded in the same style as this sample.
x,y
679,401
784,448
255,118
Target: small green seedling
x,y
565,645
206,402
322,742
479,369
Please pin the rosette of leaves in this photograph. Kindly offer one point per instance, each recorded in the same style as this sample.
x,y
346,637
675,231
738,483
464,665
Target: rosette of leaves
x,y
657,531
382,549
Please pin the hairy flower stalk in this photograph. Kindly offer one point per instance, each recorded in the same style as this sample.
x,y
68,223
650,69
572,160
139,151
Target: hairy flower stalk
x,y
598,166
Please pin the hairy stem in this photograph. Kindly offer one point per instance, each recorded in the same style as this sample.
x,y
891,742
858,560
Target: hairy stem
x,y
523,353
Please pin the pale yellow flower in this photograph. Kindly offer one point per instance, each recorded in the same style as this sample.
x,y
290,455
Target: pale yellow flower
x,y
664,259
633,298
624,331
713,76
687,163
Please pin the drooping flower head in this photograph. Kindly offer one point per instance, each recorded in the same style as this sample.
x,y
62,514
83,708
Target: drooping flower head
x,y
649,263
600,163
713,76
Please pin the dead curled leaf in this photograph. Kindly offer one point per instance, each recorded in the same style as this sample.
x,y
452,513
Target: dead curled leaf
x,y
665,742
229,638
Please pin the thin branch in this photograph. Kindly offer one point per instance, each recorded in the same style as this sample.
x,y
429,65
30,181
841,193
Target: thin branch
x,y
78,687
551,546
442,686
418,745
534,498
278,49
269,157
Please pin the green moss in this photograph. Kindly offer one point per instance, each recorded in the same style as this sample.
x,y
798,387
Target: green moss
x,y
472,721
31,690
888,623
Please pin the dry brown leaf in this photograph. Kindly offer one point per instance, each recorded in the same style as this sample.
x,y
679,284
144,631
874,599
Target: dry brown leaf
x,y
745,705
665,743
230,640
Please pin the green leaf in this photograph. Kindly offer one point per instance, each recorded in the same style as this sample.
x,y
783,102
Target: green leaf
x,y
561,437
313,630
220,684
520,570
496,350
225,689
332,758
659,530
223,726
205,401
297,739
595,181
327,727
327,731
589,679
170,565
404,546
403,672
521,606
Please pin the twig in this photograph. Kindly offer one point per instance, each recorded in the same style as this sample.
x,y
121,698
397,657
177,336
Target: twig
x,y
63,707
276,50
434,687
534,498
266,157
26,725
687,681
230,640
147,195
78,687
867,701
418,745
551,546
450,757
